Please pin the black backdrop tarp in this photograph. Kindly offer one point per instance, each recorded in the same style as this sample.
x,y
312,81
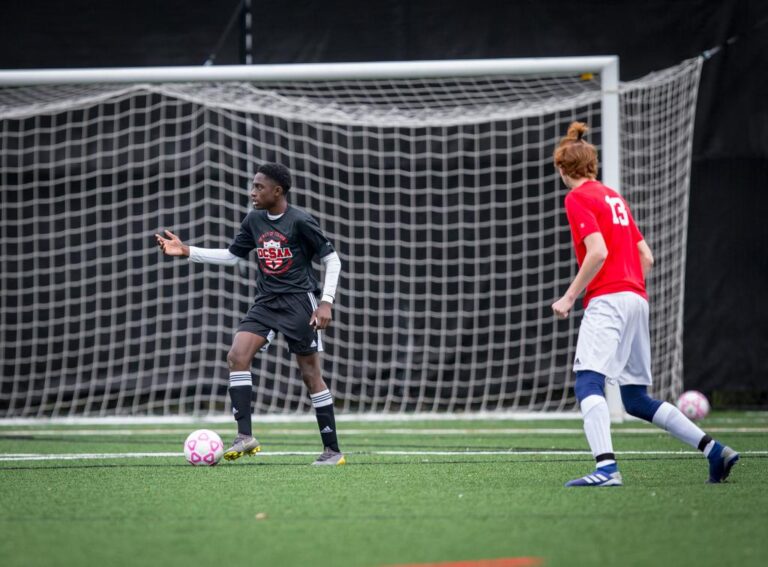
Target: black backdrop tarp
x,y
726,309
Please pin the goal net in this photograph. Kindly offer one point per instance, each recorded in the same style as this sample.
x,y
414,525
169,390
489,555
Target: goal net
x,y
439,194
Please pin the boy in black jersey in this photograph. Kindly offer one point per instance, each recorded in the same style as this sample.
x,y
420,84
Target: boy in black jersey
x,y
286,239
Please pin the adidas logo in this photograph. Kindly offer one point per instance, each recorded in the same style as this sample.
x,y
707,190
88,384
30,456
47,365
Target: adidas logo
x,y
314,344
234,411
577,361
326,429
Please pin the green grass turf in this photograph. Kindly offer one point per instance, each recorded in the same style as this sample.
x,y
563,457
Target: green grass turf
x,y
380,509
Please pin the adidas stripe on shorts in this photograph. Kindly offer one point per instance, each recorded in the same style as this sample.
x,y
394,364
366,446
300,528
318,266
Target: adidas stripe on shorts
x,y
288,314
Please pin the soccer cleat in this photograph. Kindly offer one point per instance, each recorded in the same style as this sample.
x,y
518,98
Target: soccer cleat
x,y
242,445
331,458
721,461
605,476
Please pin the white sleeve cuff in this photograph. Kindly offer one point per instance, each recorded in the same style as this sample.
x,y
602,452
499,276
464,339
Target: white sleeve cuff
x,y
332,264
222,256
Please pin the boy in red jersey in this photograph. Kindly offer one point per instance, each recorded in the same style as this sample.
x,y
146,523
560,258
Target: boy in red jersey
x,y
614,340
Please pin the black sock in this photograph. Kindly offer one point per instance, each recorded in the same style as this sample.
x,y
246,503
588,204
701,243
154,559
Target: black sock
x,y
323,404
605,457
240,392
704,442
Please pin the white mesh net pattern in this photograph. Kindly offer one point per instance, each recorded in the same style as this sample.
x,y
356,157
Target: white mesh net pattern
x,y
440,196
657,115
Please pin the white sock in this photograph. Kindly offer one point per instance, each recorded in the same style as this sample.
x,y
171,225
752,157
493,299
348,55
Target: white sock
x,y
597,426
672,420
321,399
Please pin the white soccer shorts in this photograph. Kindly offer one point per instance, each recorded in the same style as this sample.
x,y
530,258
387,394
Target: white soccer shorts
x,y
614,339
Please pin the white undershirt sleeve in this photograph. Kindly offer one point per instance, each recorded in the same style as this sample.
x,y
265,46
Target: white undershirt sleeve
x,y
212,256
332,264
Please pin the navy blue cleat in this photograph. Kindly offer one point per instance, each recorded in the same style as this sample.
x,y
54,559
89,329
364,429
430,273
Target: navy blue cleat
x,y
604,476
721,461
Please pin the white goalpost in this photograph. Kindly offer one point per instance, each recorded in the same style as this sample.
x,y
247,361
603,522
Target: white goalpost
x,y
434,179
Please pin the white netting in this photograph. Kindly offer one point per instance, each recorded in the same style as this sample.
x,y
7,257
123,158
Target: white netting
x,y
439,194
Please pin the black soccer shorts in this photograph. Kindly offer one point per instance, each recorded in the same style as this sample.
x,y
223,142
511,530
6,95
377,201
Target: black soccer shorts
x,y
288,314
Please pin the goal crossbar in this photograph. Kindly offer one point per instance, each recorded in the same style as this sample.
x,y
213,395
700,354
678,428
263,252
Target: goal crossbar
x,y
315,71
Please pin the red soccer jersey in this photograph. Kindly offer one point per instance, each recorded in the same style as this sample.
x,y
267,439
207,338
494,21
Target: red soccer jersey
x,y
593,207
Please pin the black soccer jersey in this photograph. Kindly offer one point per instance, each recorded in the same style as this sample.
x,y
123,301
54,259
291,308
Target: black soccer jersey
x,y
285,247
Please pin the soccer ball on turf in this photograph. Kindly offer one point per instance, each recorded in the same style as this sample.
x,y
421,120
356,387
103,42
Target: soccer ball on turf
x,y
693,404
203,448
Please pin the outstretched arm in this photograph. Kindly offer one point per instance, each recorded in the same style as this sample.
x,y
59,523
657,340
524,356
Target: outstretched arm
x,y
597,252
173,246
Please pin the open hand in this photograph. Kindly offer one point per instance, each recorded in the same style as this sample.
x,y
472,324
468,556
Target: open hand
x,y
172,246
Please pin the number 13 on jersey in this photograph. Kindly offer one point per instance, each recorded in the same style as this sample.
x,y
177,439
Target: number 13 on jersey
x,y
618,210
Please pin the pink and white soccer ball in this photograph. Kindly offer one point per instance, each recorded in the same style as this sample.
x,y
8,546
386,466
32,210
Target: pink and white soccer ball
x,y
203,448
693,404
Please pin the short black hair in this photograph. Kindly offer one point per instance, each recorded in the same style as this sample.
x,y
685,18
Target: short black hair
x,y
277,173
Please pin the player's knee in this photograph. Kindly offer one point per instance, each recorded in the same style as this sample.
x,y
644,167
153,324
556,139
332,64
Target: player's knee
x,y
237,361
638,403
310,375
589,383
309,370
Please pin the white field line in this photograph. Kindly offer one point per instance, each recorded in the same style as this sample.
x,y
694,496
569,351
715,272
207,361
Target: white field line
x,y
386,431
98,456
305,417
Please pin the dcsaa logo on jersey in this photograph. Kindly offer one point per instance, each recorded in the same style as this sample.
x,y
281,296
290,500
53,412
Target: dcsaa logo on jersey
x,y
273,253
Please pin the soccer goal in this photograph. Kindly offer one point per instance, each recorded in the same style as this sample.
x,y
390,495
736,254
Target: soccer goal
x,y
433,179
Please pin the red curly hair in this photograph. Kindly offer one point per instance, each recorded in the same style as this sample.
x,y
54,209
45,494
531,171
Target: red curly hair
x,y
575,156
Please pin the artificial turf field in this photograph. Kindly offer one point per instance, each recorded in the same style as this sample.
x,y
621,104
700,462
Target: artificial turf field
x,y
411,493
